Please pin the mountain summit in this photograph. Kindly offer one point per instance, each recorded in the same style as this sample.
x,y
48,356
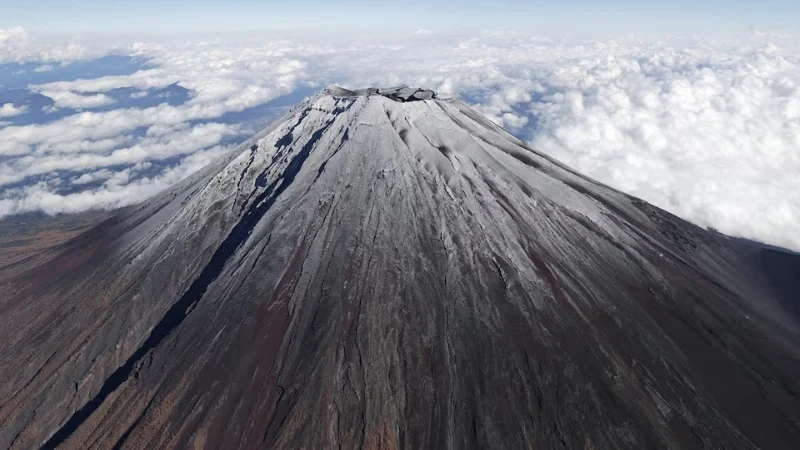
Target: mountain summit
x,y
386,268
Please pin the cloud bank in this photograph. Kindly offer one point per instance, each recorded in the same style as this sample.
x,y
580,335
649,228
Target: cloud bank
x,y
16,45
709,130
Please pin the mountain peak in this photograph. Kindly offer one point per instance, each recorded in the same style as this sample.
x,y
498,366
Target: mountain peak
x,y
382,268
400,94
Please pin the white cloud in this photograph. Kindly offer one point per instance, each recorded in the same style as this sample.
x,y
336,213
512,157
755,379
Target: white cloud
x,y
142,80
115,193
714,138
16,45
9,110
67,99
91,177
82,155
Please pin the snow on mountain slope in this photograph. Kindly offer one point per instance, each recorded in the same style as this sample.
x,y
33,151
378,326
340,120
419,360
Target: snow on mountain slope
x,y
387,268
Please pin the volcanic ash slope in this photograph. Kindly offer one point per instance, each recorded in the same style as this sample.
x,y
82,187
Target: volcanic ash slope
x,y
388,269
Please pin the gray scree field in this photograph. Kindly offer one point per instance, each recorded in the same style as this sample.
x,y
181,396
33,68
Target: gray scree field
x,y
386,268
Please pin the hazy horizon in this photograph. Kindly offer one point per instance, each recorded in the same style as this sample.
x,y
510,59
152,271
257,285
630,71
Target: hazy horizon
x,y
564,17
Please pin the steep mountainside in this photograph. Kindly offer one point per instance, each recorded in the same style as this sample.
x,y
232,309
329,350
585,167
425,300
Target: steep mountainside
x,y
388,269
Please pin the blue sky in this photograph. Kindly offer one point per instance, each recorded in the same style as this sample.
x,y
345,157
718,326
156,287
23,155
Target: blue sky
x,y
568,16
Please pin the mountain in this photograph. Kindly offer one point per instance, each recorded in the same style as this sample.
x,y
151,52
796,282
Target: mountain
x,y
386,268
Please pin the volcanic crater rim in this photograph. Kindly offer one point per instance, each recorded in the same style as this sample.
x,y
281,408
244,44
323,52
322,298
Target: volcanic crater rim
x,y
399,94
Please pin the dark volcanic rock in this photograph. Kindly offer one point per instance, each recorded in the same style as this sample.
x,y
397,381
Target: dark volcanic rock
x,y
377,272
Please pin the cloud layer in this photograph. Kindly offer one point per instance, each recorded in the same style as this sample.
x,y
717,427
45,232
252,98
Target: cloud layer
x,y
715,138
17,46
709,130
